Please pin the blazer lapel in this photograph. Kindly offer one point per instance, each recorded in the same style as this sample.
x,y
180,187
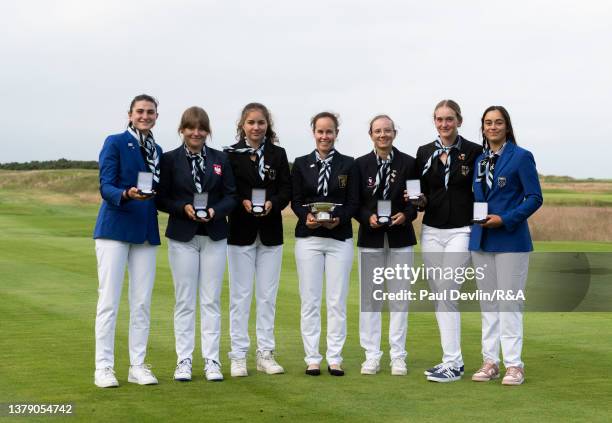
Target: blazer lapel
x,y
134,148
502,161
210,161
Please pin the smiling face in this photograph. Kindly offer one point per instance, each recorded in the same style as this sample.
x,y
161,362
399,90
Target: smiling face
x,y
255,126
143,115
194,138
447,123
382,132
325,133
494,127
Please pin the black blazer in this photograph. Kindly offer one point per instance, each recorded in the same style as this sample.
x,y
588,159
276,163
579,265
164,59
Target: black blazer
x,y
450,208
364,173
176,189
341,190
244,227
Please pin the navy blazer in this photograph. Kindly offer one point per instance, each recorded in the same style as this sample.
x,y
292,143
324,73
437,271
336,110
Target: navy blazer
x,y
341,190
244,227
132,221
515,195
176,189
450,207
364,173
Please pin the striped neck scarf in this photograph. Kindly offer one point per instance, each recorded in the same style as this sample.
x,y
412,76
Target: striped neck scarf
x,y
324,172
198,164
486,167
259,151
148,144
383,173
440,149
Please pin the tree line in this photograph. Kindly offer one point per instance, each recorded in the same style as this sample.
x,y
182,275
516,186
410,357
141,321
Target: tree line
x,y
51,164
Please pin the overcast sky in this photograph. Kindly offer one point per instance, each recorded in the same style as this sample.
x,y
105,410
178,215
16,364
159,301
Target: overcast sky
x,y
68,70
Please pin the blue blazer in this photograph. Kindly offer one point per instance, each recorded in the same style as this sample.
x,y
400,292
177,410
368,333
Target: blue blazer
x,y
176,188
130,221
515,195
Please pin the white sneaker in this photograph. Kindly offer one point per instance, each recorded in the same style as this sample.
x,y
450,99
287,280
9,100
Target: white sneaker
x,y
370,367
182,373
398,367
105,378
212,371
266,363
239,367
142,375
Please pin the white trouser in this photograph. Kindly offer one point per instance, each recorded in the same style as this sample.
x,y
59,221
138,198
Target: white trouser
x,y
197,266
442,249
370,326
315,256
264,263
112,258
502,321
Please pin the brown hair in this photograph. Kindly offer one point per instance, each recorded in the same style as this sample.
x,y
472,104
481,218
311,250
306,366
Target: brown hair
x,y
195,117
451,104
330,115
375,118
143,97
270,134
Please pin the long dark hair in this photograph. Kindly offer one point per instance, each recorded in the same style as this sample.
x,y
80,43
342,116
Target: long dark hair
x,y
270,134
509,130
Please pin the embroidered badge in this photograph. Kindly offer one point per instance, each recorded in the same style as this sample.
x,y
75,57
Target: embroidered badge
x,y
271,173
370,181
462,156
501,181
465,170
342,180
217,169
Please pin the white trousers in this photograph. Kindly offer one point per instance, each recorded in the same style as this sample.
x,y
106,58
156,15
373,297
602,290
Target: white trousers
x,y
112,258
314,257
446,248
502,321
263,263
197,267
370,323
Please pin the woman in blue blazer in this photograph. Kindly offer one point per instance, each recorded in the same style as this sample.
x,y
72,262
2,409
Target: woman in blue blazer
x,y
126,233
507,180
196,245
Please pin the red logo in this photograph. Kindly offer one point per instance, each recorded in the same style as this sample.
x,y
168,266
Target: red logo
x,y
217,169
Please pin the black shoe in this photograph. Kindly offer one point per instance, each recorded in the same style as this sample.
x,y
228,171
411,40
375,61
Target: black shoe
x,y
313,372
335,372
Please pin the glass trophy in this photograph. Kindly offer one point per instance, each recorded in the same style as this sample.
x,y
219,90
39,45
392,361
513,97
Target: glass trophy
x,y
480,213
200,205
384,212
258,200
145,183
413,187
322,211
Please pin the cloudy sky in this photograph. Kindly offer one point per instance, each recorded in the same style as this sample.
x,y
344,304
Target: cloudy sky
x,y
69,68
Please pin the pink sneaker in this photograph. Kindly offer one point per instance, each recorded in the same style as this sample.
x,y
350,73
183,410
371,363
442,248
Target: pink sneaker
x,y
487,372
514,376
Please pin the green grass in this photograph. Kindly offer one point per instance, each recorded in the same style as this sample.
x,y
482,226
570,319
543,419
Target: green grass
x,y
48,292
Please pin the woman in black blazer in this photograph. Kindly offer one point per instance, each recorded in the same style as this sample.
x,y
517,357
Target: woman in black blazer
x,y
196,245
255,241
324,247
381,175
446,169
